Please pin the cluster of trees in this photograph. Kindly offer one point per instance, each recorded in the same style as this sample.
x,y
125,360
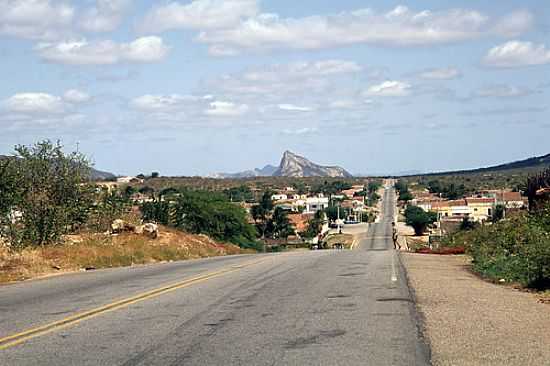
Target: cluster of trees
x,y
203,212
330,188
403,190
450,190
271,222
239,194
45,194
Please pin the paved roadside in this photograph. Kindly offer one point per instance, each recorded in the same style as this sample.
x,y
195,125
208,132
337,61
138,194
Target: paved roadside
x,y
472,322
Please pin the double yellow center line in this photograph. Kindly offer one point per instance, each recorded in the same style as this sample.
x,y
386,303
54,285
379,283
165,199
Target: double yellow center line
x,y
18,338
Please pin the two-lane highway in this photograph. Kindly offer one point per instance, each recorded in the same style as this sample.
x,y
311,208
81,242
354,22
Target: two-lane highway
x,y
301,308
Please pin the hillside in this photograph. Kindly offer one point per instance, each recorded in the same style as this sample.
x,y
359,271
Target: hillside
x,y
94,251
527,166
95,175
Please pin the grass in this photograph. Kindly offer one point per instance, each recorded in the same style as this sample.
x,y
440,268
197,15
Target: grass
x,y
346,239
105,251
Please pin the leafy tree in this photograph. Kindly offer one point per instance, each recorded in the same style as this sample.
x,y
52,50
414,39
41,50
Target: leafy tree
x,y
282,228
499,213
315,225
261,213
48,188
419,219
239,194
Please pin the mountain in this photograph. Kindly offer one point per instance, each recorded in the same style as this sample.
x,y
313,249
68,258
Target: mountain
x,y
293,165
527,165
94,173
266,171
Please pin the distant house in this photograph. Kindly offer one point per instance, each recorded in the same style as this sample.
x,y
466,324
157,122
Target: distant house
x,y
314,204
279,197
510,200
129,179
481,209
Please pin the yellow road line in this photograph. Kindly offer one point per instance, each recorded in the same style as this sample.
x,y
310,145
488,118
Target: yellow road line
x,y
24,336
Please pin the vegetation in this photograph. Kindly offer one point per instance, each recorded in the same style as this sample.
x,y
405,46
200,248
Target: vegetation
x,y
44,194
314,225
403,190
329,188
447,190
515,250
201,212
419,219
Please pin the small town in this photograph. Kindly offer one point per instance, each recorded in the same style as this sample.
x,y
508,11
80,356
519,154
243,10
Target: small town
x,y
274,182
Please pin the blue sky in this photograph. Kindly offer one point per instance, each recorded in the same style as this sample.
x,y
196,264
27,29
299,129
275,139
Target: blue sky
x,y
197,87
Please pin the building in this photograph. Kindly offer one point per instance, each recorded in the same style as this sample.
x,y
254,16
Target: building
x,y
510,200
481,209
129,180
279,197
314,204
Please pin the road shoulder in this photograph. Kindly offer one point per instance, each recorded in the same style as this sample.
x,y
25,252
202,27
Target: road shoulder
x,y
468,321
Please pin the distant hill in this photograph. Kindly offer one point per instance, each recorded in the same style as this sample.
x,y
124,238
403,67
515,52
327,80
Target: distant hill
x,y
266,171
291,165
94,173
527,165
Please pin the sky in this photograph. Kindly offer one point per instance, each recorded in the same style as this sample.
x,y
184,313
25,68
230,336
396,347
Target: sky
x,y
197,87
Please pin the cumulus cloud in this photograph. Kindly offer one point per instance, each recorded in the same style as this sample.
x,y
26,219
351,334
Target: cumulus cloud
x,y
35,19
105,16
226,109
390,88
294,108
144,50
76,96
34,103
398,27
199,14
440,74
164,103
517,54
300,131
502,91
281,79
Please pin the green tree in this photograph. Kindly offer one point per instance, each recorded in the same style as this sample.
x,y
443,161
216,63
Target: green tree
x,y
315,225
419,219
49,189
282,228
261,213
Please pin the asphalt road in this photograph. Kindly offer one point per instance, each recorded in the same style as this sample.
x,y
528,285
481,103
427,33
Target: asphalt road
x,y
298,308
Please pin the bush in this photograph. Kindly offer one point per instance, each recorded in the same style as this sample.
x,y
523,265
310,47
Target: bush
x,y
516,249
419,219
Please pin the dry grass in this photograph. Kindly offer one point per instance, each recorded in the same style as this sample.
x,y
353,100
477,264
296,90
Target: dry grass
x,y
346,239
104,251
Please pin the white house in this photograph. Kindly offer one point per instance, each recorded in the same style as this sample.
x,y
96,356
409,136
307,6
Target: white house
x,y
279,197
314,204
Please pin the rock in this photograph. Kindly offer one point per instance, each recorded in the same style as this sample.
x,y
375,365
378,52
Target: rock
x,y
151,229
118,226
56,267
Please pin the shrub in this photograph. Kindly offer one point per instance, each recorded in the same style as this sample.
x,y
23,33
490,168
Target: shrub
x,y
419,219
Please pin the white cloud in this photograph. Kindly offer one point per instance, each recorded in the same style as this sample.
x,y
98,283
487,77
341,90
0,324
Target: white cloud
x,y
441,74
343,104
301,131
76,96
226,109
199,14
390,89
40,103
35,19
105,16
294,108
503,91
166,103
144,49
399,27
517,54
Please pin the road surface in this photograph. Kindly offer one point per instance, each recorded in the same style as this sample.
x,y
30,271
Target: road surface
x,y
297,308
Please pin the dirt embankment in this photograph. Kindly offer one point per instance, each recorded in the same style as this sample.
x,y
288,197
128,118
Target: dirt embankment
x,y
89,251
469,321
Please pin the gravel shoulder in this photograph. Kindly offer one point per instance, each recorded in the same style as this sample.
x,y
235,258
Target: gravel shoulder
x,y
468,321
